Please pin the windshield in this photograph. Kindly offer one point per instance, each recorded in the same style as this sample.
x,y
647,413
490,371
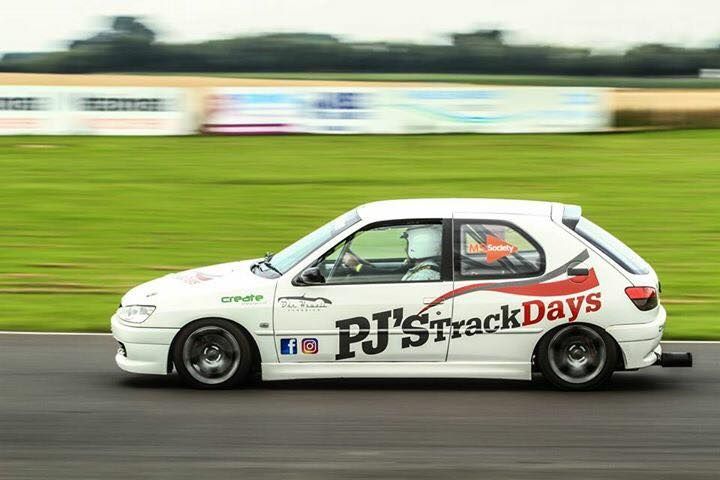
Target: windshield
x,y
290,256
612,247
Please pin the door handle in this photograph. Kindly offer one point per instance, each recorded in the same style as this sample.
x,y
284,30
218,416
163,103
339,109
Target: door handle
x,y
578,272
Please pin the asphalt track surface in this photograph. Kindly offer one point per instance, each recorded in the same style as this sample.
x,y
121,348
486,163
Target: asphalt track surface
x,y
66,411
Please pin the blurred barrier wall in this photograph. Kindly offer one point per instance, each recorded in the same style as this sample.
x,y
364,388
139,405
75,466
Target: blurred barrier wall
x,y
122,110
34,107
95,111
356,110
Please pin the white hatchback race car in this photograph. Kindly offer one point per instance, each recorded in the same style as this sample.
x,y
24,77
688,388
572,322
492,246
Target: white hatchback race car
x,y
463,288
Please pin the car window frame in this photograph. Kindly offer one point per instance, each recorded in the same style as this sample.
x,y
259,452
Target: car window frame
x,y
457,250
309,254
445,252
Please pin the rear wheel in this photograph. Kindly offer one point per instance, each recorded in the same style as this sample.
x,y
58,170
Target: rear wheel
x,y
577,357
212,354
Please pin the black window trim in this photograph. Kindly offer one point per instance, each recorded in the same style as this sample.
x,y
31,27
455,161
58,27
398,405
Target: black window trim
x,y
446,267
458,277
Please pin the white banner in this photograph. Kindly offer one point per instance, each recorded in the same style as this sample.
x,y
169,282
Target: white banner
x,y
127,111
30,110
94,111
495,110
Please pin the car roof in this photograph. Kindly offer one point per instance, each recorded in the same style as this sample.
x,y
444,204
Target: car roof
x,y
446,207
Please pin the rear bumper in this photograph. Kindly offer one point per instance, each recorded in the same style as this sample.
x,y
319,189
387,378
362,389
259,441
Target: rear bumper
x,y
146,349
640,342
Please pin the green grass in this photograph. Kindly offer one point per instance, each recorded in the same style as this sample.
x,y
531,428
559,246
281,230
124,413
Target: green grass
x,y
482,79
84,219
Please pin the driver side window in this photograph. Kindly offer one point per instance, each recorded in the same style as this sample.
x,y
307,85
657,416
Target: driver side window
x,y
386,254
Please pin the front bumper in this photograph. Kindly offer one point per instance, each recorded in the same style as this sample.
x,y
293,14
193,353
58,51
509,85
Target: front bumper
x,y
146,349
640,342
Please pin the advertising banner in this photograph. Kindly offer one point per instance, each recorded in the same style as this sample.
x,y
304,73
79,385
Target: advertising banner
x,y
252,111
495,110
558,109
290,110
127,111
328,110
341,111
30,110
322,110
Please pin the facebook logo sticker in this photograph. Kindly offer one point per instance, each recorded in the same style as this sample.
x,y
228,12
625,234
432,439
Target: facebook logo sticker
x,y
288,346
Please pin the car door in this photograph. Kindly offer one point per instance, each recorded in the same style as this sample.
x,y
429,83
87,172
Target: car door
x,y
373,309
490,254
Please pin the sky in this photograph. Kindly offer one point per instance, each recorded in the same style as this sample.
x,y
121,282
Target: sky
x,y
40,25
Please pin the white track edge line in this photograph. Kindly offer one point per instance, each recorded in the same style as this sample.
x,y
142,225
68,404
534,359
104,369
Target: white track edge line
x,y
709,342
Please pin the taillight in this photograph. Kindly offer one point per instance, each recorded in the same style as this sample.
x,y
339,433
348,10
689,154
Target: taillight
x,y
644,298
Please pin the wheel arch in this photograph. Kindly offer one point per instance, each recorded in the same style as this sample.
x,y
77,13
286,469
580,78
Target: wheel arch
x,y
257,359
620,360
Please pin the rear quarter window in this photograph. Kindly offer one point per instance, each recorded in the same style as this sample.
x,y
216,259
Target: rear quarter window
x,y
612,247
493,250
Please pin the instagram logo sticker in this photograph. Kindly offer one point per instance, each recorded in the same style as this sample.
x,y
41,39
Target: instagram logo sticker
x,y
309,345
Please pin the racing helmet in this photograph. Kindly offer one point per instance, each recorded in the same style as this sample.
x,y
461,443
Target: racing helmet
x,y
423,241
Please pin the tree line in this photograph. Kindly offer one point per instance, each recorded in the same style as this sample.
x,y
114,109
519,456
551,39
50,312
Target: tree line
x,y
130,46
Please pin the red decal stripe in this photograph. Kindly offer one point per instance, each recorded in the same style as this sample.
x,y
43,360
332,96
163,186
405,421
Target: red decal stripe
x,y
454,293
550,289
553,289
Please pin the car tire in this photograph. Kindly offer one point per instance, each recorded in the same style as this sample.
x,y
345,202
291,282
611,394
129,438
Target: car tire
x,y
212,354
577,357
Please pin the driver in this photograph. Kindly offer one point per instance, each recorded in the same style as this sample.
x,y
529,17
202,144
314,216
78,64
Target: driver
x,y
423,248
423,244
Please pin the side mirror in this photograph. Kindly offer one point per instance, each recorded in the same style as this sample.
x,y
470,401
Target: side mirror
x,y
311,276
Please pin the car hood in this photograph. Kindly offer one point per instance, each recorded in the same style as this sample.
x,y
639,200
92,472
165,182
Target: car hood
x,y
197,282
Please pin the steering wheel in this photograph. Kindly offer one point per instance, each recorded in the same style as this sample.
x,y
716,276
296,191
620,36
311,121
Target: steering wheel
x,y
348,272
357,257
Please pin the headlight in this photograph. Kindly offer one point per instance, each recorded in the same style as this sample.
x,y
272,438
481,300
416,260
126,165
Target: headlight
x,y
135,313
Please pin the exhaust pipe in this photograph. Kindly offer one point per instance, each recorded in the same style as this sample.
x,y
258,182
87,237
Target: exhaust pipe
x,y
675,359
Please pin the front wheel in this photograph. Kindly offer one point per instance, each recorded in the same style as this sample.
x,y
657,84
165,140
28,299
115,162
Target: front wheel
x,y
577,357
212,354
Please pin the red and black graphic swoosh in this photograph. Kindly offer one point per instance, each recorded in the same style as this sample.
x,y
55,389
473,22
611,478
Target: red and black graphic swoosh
x,y
531,287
